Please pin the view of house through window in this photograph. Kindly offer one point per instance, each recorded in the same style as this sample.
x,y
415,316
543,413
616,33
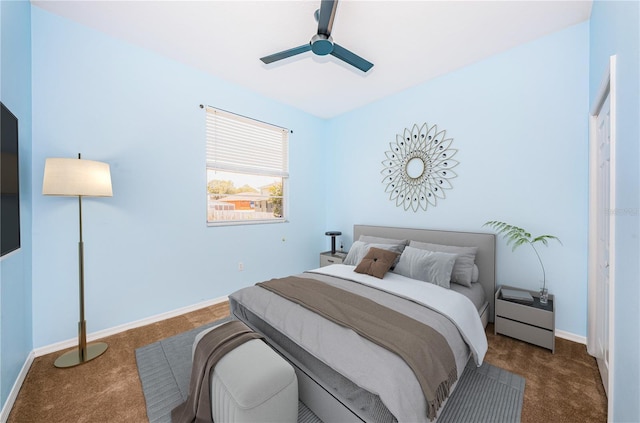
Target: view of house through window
x,y
238,196
247,169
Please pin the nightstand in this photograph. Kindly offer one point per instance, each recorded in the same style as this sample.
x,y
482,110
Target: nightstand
x,y
533,323
326,258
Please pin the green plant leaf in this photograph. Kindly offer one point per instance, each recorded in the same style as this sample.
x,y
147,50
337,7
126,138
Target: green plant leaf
x,y
546,238
516,237
518,243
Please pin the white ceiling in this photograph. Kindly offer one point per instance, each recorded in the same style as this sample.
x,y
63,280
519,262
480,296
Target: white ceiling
x,y
409,42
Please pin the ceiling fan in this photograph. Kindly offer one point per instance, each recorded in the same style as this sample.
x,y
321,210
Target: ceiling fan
x,y
322,43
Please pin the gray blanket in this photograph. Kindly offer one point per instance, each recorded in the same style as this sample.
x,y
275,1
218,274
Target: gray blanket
x,y
421,347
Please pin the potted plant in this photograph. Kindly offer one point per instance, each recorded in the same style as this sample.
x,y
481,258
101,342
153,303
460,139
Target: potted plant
x,y
517,237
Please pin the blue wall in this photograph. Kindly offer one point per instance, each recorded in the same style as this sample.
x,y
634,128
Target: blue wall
x,y
148,249
615,30
519,121
15,268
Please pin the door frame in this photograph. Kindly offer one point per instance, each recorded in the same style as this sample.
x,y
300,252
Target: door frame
x,y
607,88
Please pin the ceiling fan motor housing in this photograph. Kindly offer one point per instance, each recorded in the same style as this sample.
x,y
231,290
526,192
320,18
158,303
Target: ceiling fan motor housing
x,y
321,44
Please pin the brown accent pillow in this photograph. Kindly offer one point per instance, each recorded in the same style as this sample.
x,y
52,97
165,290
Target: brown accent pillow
x,y
377,262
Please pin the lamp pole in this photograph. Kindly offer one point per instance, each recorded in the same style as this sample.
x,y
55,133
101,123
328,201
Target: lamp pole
x,y
82,323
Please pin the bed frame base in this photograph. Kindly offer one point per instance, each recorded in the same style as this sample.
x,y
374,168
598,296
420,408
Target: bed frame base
x,y
315,396
321,402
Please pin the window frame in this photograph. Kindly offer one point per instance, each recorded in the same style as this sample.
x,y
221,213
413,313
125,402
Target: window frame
x,y
227,135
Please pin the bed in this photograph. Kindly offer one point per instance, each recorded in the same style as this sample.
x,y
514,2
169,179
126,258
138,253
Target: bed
x,y
345,377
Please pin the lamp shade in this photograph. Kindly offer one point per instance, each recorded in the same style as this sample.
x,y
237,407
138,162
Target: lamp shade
x,y
76,177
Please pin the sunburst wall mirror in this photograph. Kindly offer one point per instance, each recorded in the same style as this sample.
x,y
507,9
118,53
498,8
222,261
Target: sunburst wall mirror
x,y
417,169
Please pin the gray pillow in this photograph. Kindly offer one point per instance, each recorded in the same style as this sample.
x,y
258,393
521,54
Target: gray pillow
x,y
427,266
359,249
463,268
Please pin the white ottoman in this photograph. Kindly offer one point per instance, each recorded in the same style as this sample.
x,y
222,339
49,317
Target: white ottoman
x,y
253,383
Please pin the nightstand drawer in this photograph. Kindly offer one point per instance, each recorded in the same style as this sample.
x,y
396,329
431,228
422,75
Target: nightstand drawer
x,y
525,314
534,335
327,258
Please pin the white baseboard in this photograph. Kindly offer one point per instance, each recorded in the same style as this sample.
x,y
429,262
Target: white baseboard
x,y
8,405
571,337
58,346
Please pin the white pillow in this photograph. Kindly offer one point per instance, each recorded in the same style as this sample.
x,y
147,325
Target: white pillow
x,y
359,249
428,266
399,244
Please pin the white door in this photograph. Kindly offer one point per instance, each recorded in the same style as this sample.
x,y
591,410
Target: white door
x,y
602,224
603,236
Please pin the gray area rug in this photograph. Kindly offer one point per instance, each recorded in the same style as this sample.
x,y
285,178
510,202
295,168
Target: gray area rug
x,y
484,394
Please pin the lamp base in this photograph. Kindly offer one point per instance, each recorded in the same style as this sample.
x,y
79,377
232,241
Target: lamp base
x,y
74,358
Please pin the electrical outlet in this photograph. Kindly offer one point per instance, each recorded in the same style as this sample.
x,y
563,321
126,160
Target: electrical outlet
x,y
240,266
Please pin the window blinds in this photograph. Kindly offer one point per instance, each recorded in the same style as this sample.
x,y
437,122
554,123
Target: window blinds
x,y
239,144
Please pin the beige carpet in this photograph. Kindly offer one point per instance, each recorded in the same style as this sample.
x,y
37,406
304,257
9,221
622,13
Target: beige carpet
x,y
560,387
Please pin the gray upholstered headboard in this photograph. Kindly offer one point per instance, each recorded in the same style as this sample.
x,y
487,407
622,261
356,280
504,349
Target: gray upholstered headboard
x,y
485,257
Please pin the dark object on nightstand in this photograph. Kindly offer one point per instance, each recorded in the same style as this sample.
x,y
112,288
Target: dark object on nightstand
x,y
517,295
333,235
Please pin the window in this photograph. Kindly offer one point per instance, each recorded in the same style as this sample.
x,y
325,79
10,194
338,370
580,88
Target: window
x,y
247,169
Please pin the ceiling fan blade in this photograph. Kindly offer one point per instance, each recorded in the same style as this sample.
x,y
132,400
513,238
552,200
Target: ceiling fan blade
x,y
351,58
286,53
325,18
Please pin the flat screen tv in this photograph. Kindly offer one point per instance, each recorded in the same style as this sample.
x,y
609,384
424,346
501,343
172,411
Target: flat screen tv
x,y
9,183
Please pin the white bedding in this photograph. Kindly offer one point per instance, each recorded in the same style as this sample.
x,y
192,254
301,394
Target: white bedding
x,y
458,308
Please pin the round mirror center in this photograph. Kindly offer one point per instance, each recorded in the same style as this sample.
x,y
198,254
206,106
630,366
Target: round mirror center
x,y
415,167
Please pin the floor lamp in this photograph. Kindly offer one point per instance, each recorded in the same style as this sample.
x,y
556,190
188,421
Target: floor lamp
x,y
78,178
